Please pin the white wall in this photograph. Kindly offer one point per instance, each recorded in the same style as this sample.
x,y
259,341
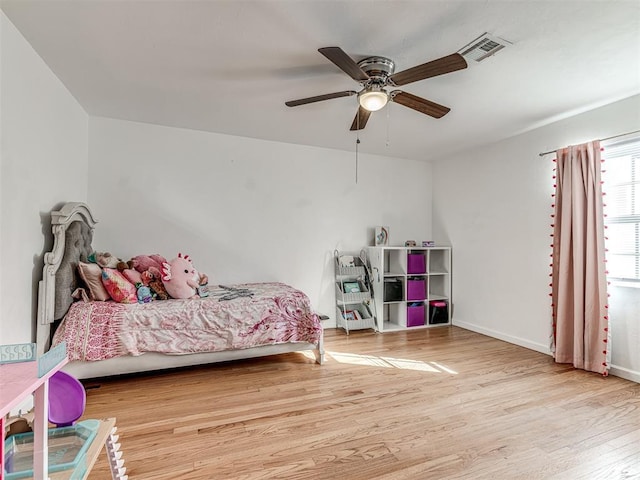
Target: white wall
x,y
494,205
625,331
43,161
251,210
248,210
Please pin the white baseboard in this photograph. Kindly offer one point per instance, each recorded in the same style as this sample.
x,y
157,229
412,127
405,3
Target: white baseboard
x,y
614,370
625,373
538,347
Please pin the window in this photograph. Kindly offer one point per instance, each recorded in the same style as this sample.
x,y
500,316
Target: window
x,y
622,187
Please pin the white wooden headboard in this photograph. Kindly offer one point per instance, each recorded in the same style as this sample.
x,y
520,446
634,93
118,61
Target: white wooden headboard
x,y
61,220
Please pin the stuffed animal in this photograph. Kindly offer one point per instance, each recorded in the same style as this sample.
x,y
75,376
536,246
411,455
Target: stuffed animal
x,y
154,262
180,278
150,268
104,259
144,293
155,284
122,265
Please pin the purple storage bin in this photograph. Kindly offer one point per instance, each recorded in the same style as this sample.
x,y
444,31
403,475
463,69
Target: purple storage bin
x,y
416,289
416,263
415,315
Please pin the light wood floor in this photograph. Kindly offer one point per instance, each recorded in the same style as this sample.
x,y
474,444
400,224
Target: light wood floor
x,y
443,403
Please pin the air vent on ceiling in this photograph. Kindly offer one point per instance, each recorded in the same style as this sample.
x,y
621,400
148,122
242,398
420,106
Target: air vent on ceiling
x,y
482,47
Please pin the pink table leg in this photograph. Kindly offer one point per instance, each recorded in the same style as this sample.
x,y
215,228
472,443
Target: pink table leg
x,y
2,448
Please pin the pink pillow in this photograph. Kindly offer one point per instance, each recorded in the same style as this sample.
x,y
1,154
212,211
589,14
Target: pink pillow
x,y
119,288
91,274
132,275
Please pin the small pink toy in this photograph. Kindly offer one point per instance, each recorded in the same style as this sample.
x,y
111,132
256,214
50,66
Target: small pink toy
x,y
180,278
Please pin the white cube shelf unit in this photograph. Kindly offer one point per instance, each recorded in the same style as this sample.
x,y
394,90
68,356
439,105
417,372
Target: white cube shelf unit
x,y
411,286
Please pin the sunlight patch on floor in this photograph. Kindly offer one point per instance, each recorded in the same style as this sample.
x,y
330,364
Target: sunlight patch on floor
x,y
389,362
310,354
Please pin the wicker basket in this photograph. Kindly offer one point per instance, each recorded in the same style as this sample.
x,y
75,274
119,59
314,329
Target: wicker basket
x,y
363,295
350,271
367,320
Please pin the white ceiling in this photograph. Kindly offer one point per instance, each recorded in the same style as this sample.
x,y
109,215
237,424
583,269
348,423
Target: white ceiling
x,y
229,66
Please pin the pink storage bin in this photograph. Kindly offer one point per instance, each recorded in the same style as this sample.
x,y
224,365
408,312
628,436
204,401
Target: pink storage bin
x,y
415,315
438,312
416,263
416,289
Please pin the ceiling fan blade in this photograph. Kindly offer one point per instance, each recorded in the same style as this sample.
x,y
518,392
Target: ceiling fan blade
x,y
360,120
345,63
448,64
419,104
319,98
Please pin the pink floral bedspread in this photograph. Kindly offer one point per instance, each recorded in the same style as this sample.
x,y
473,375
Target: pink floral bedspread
x,y
275,313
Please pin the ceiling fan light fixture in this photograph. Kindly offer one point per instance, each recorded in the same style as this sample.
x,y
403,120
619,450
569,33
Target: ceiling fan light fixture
x,y
373,99
374,74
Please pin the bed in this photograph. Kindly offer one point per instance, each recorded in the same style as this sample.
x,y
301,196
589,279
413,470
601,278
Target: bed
x,y
106,338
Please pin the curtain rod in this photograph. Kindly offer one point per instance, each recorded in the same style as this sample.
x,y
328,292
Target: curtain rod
x,y
602,140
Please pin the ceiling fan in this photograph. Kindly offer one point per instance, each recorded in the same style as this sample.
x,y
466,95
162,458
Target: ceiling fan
x,y
375,74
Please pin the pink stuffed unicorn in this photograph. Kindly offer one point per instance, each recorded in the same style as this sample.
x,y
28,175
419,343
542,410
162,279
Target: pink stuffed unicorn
x,y
180,278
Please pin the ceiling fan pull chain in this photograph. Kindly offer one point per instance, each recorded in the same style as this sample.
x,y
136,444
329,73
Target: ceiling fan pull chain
x,y
388,124
357,141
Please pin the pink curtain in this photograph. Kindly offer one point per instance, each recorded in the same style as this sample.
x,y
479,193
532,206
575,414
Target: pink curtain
x,y
579,285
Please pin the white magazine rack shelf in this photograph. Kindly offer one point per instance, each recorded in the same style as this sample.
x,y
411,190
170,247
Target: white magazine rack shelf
x,y
353,292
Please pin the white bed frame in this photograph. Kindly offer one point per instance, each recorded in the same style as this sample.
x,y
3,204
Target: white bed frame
x,y
60,222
